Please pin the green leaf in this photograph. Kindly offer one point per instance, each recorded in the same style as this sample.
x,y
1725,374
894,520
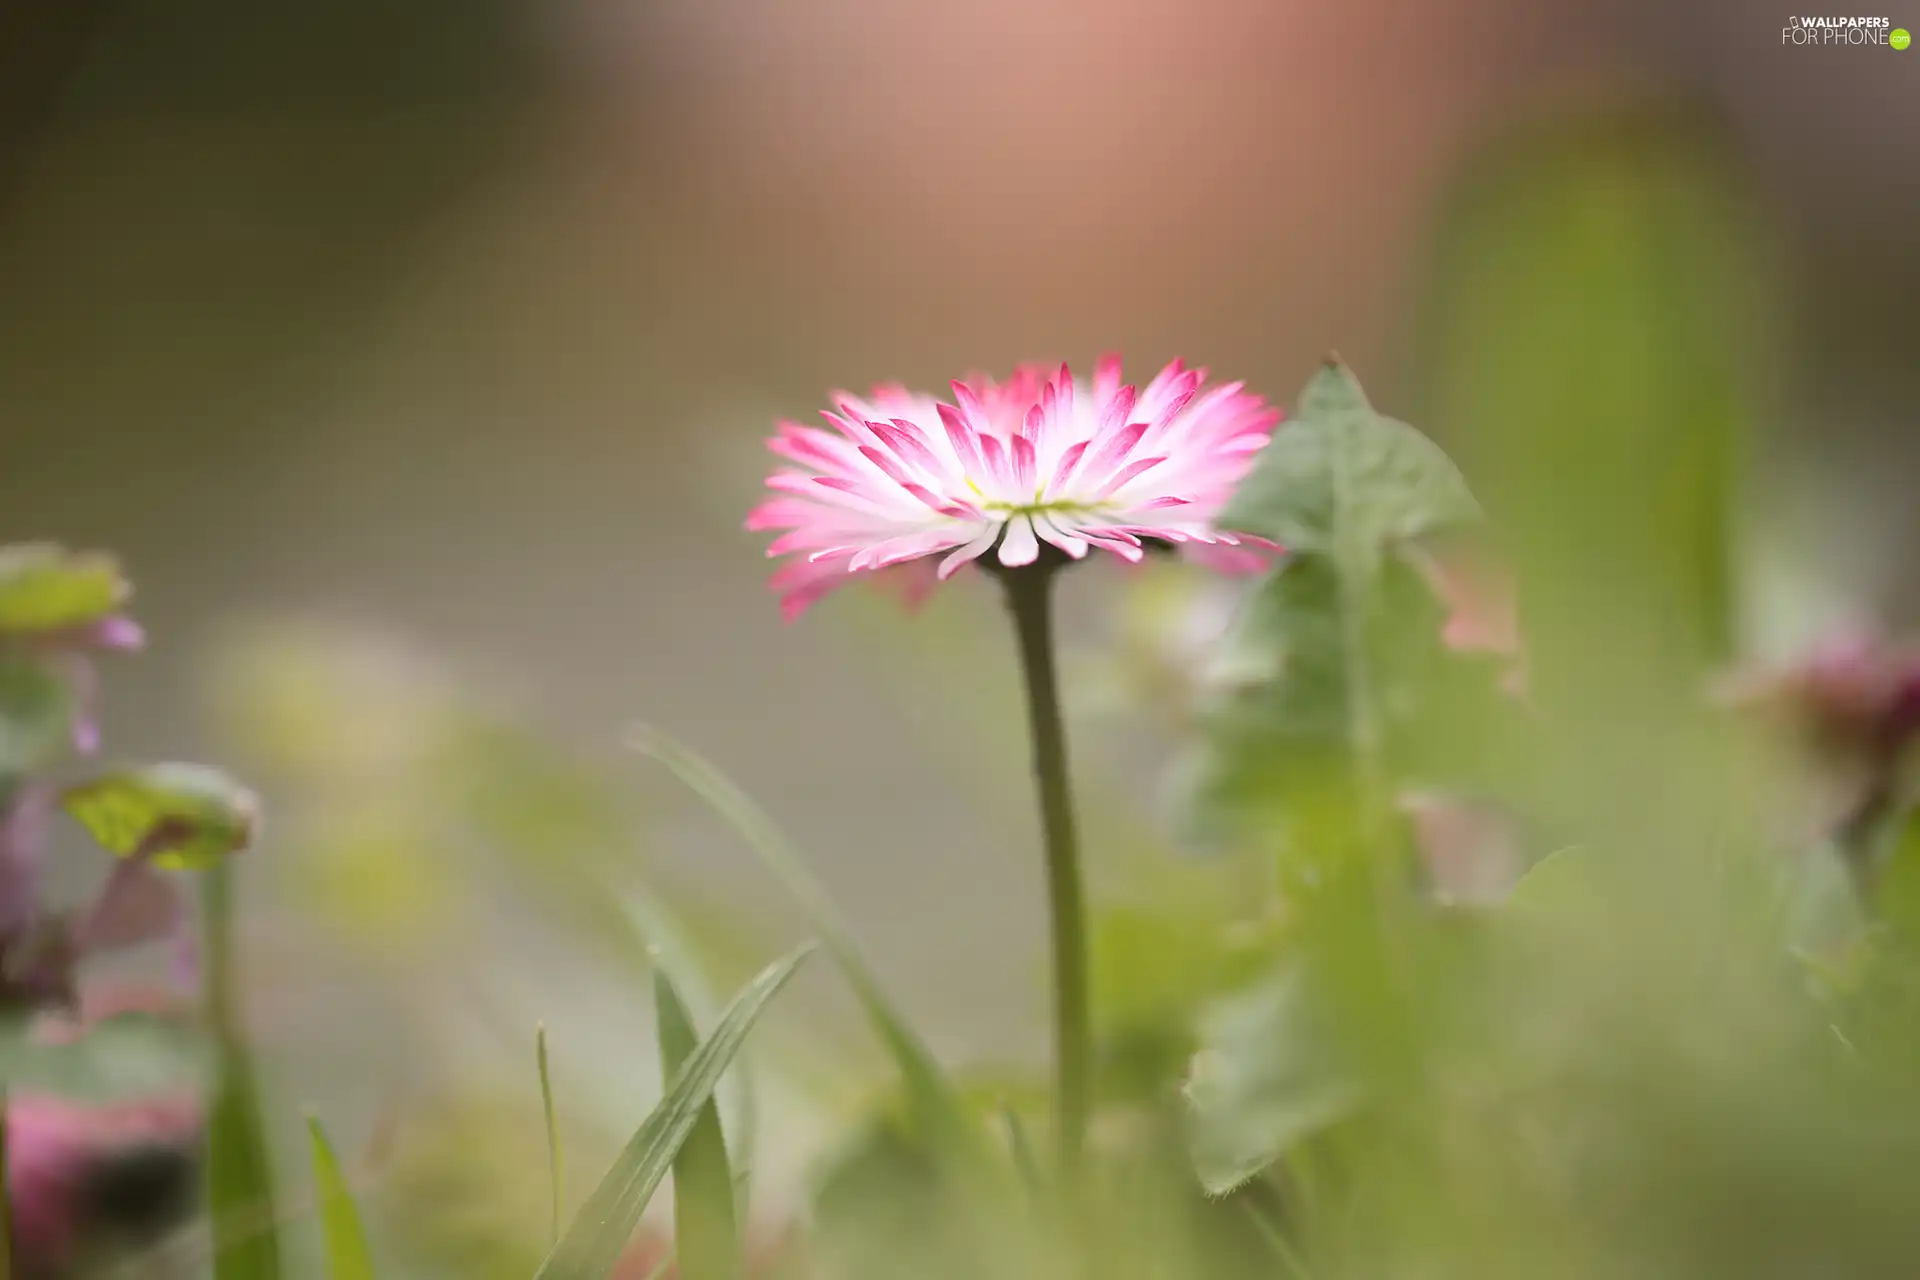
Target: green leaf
x,y
935,1103
706,1238
1343,676
348,1257
1339,478
1329,664
36,715
129,1055
1267,1076
176,815
599,1234
44,587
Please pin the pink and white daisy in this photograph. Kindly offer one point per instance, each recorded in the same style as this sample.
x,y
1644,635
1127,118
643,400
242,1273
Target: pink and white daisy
x,y
1009,467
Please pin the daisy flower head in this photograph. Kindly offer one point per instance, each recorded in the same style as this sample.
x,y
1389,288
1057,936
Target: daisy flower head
x,y
1037,464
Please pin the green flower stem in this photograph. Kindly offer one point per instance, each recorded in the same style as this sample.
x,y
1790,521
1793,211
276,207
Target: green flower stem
x,y
1029,591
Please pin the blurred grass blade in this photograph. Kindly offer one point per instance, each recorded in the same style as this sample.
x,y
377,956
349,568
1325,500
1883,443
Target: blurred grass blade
x,y
599,1234
669,945
1276,1240
239,1172
347,1255
705,1233
555,1183
935,1103
1021,1149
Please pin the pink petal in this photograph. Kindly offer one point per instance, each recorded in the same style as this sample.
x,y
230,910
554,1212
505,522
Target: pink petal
x,y
962,437
1138,467
1114,450
1063,470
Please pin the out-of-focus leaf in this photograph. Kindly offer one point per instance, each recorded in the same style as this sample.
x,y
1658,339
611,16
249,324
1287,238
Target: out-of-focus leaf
x,y
1596,346
36,714
1346,482
1565,878
175,815
1821,907
44,587
706,1238
1327,662
1267,1075
128,1055
348,1257
884,1206
935,1103
1897,888
599,1234
1355,677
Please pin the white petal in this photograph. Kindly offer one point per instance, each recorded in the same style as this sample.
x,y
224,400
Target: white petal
x,y
1058,534
970,552
1020,546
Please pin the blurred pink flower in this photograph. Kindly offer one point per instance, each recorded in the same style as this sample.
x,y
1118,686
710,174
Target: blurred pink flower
x,y
1009,465
100,1177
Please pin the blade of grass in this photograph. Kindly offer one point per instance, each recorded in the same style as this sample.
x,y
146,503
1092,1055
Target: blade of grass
x,y
1021,1149
1276,1240
593,1244
555,1183
239,1173
934,1101
348,1257
705,1233
669,945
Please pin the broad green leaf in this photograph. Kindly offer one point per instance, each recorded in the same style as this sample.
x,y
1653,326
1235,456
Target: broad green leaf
x,y
36,715
706,1238
1329,664
175,815
1267,1075
348,1257
1342,480
126,1056
44,587
240,1195
1344,677
599,1234
936,1105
